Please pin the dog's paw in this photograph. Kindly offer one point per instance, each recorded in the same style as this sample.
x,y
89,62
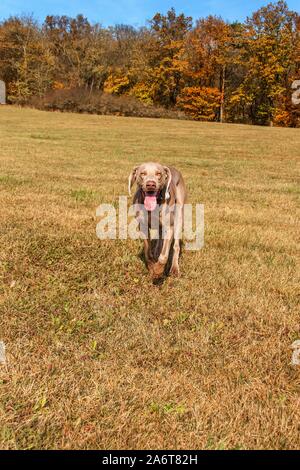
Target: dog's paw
x,y
150,265
174,271
157,270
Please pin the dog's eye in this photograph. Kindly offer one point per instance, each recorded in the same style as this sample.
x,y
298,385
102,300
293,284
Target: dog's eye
x,y
158,174
143,174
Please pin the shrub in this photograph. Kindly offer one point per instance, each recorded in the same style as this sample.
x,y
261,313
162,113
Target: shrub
x,y
80,100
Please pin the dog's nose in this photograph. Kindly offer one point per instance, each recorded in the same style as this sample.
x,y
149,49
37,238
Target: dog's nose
x,y
151,186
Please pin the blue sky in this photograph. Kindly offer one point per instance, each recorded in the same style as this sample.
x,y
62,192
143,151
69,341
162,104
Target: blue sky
x,y
135,12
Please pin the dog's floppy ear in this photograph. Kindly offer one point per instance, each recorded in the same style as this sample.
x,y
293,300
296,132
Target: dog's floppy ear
x,y
169,179
132,179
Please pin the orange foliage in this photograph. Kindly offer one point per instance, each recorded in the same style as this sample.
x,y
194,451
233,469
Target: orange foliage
x,y
58,86
202,104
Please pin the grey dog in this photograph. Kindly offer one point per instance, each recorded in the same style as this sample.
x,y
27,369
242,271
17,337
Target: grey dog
x,y
160,192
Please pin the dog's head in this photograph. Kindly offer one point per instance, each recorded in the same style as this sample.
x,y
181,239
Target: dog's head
x,y
151,178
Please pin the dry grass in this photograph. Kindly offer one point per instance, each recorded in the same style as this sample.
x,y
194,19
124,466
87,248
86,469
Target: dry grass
x,y
101,358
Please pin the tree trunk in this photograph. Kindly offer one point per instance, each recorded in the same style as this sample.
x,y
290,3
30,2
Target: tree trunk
x,y
222,111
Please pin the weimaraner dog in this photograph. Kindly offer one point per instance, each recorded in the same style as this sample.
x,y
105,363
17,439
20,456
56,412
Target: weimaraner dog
x,y
161,194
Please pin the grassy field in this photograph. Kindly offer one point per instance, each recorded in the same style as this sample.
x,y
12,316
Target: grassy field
x,y
98,357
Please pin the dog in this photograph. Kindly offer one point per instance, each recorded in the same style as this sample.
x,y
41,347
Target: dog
x,y
161,195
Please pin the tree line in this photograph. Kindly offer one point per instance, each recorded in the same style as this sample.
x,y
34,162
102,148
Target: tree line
x,y
208,69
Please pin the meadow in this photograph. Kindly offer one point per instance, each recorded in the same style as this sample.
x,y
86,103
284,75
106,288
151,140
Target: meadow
x,y
98,356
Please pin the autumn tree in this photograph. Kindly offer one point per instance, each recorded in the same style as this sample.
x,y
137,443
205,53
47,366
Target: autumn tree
x,y
168,33
126,65
69,39
206,57
268,55
26,61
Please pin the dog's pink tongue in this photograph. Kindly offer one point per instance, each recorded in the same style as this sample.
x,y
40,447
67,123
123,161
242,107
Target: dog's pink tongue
x,y
150,203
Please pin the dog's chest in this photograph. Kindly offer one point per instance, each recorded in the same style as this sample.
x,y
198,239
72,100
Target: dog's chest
x,y
161,216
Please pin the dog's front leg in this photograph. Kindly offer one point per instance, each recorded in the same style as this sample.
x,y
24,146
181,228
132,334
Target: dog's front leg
x,y
148,253
143,224
159,267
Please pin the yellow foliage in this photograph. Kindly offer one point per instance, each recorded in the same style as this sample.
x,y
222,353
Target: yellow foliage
x,y
142,91
116,84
